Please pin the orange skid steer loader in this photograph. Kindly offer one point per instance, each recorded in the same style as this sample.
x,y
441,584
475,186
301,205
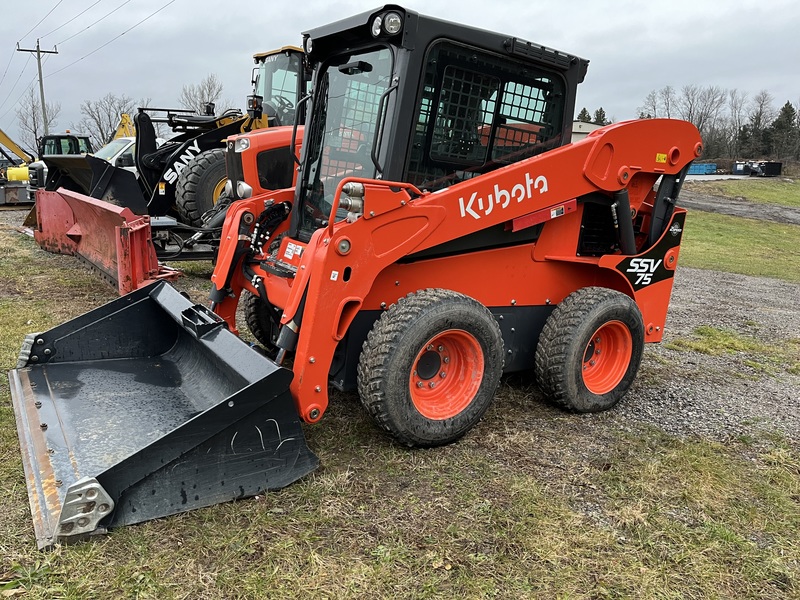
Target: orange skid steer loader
x,y
442,231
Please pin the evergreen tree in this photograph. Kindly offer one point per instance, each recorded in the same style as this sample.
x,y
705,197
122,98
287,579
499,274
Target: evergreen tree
x,y
584,116
600,117
784,134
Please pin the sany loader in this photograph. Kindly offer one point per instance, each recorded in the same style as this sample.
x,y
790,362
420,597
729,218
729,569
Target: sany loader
x,y
442,231
124,225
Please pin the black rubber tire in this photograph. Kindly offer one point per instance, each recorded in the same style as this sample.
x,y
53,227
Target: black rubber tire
x,y
263,321
194,192
566,344
389,356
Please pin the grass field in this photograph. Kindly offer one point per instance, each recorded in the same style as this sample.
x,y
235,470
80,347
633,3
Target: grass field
x,y
766,190
534,503
738,245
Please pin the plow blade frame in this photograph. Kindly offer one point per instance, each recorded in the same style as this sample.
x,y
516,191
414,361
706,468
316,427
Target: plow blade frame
x,y
146,407
109,238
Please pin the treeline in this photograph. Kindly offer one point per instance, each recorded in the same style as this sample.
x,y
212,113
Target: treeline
x,y
733,124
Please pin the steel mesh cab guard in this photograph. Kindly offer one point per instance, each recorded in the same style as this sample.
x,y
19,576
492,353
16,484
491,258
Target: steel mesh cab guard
x,y
442,231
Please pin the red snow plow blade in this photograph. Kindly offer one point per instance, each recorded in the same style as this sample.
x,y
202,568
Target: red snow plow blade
x,y
111,239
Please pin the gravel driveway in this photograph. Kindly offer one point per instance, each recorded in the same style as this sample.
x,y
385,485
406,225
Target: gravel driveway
x,y
685,392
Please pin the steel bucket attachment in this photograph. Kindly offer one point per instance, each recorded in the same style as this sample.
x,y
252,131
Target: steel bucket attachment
x,y
146,407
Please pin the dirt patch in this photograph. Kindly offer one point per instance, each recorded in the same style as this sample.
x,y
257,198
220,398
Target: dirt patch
x,y
738,207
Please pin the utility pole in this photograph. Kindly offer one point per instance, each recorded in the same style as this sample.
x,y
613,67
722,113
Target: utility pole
x,y
39,53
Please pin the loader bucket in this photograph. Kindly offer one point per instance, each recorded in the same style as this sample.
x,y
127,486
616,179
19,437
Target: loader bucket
x,y
146,407
111,239
96,178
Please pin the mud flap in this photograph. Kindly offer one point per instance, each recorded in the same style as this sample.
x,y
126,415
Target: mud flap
x,y
109,238
146,407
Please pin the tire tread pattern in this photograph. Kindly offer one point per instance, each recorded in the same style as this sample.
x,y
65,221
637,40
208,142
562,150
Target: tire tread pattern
x,y
190,206
552,362
381,344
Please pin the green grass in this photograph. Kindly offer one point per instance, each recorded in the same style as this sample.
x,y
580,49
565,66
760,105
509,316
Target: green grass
x,y
738,245
785,192
781,355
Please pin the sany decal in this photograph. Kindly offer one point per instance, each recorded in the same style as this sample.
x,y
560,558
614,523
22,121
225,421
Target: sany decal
x,y
477,207
644,269
171,174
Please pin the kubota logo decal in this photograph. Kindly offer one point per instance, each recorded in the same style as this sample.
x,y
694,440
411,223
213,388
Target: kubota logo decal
x,y
171,174
478,206
644,268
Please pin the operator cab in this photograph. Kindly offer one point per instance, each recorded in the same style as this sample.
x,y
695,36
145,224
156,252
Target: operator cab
x,y
278,83
404,97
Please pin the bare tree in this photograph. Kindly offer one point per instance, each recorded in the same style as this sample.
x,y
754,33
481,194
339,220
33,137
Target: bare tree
x,y
762,111
29,116
195,97
100,117
736,119
667,99
701,106
658,104
649,109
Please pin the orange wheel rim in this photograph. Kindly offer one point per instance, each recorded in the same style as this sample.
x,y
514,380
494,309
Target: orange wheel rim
x,y
446,374
607,357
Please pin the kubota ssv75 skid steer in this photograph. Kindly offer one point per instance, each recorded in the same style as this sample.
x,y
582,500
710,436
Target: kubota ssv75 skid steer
x,y
443,230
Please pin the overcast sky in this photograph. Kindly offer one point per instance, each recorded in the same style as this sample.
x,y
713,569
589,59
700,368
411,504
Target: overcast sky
x,y
634,47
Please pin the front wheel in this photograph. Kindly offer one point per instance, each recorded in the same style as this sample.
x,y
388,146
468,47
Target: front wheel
x,y
200,185
430,367
590,349
263,321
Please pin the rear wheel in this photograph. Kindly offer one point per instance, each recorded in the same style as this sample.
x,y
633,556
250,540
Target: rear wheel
x,y
430,367
590,349
200,185
263,321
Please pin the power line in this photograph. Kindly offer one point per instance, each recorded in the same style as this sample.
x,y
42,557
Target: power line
x,y
71,20
93,24
38,50
40,21
3,78
21,73
113,39
28,88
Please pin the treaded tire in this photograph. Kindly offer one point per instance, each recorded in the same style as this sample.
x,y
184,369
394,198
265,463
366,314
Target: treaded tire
x,y
199,185
262,320
430,367
590,349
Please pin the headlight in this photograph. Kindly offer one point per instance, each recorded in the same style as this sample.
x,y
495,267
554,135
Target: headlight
x,y
392,23
309,45
241,144
243,190
376,26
